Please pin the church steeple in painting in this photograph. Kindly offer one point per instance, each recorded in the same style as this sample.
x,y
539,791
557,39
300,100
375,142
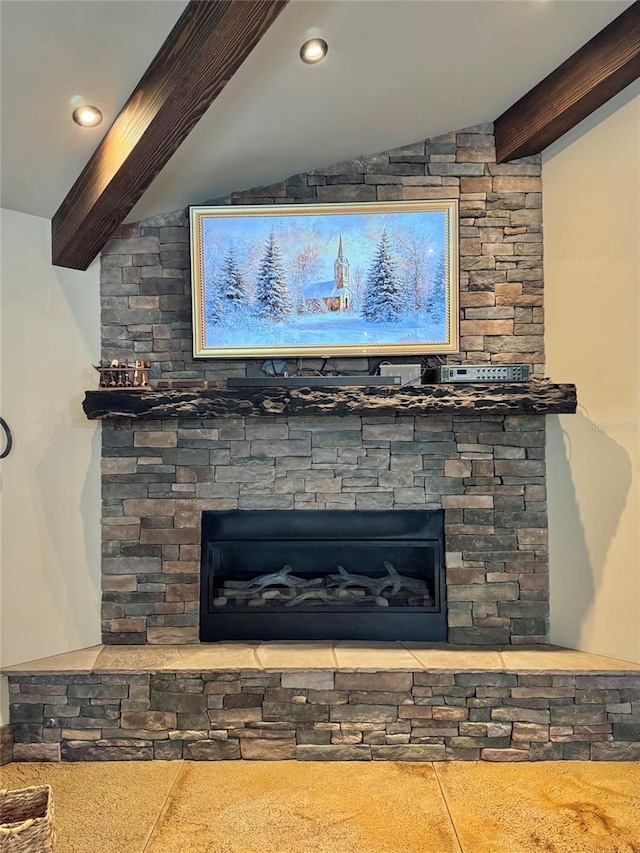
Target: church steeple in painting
x,y
341,271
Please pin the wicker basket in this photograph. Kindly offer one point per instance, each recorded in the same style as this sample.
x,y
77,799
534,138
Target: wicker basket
x,y
26,820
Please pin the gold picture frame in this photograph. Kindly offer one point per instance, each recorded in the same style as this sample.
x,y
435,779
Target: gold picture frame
x,y
355,279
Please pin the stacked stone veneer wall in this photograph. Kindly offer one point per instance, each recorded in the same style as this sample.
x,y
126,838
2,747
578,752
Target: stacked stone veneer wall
x,y
487,472
356,716
6,744
145,277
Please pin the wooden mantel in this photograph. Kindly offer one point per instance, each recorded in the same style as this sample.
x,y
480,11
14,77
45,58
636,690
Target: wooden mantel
x,y
517,398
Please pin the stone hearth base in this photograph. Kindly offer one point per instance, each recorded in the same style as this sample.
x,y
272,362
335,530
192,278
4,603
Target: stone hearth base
x,y
324,701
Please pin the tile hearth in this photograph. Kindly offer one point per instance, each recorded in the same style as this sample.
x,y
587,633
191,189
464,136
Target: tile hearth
x,y
325,701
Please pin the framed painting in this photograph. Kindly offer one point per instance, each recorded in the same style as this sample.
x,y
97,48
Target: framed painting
x,y
325,279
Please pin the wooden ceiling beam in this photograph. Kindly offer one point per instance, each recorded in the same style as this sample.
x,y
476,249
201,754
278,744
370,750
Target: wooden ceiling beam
x,y
604,66
201,54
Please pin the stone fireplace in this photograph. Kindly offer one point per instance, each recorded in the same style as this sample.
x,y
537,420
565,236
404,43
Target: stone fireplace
x,y
482,467
486,472
181,466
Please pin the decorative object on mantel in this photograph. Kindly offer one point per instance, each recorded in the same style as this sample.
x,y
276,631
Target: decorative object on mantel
x,y
26,820
484,373
538,397
118,375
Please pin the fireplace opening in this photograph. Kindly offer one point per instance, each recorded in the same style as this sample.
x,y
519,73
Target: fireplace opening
x,y
323,574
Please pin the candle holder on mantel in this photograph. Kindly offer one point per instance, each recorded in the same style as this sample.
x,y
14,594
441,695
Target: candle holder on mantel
x,y
119,375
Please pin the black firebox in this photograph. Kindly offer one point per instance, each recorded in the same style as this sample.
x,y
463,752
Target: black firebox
x,y
323,574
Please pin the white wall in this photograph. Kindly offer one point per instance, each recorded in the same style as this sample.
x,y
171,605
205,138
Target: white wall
x,y
50,489
591,198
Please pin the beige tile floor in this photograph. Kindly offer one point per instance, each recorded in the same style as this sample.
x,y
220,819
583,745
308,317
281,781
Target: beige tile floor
x,y
385,807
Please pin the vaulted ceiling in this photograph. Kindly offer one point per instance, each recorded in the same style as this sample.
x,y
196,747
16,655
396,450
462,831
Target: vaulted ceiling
x,y
397,71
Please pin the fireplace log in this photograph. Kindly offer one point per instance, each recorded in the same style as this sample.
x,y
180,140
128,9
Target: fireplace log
x,y
343,588
377,585
316,594
402,581
281,578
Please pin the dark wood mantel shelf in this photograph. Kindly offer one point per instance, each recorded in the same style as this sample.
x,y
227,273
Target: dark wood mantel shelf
x,y
517,398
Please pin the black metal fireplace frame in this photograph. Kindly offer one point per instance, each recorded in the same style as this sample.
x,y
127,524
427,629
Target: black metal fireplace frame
x,y
319,623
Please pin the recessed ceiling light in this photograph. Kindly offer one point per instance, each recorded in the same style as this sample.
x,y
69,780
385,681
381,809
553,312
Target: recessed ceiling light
x,y
313,51
87,116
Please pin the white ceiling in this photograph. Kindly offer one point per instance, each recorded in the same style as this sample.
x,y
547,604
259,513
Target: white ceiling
x,y
397,71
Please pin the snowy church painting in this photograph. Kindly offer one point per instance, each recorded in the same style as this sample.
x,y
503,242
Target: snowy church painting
x,y
342,279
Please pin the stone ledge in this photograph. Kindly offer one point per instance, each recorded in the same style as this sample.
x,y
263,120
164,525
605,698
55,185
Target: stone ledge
x,y
326,716
515,398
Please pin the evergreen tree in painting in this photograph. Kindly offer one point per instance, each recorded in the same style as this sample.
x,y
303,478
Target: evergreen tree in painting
x,y
214,308
232,284
272,292
383,300
415,260
213,302
436,301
